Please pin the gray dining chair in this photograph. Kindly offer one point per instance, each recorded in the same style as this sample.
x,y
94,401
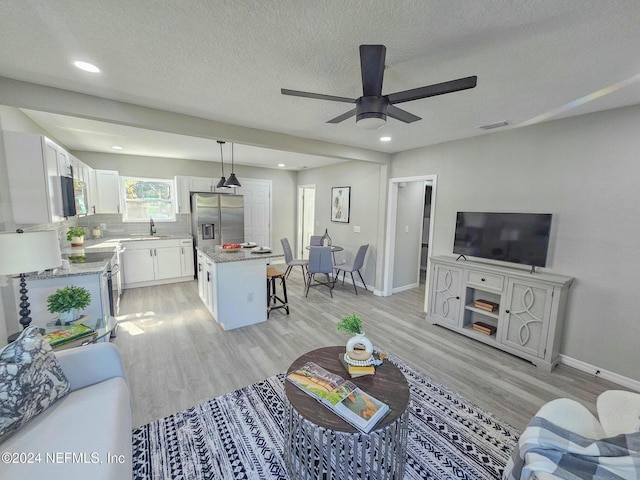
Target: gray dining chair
x,y
357,264
292,262
315,241
320,261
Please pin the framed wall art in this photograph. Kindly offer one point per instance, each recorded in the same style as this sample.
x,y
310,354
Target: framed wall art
x,y
340,204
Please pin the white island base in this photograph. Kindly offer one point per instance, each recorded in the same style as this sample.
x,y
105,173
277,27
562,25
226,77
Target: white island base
x,y
233,286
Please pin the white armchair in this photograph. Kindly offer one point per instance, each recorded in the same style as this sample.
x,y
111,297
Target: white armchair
x,y
618,413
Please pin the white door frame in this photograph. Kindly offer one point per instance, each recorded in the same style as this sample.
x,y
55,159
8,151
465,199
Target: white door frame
x,y
392,209
299,246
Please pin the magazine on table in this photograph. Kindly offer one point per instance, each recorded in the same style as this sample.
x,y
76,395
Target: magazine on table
x,y
341,396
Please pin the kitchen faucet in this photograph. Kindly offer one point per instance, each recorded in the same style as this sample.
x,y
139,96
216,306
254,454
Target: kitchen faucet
x,y
152,227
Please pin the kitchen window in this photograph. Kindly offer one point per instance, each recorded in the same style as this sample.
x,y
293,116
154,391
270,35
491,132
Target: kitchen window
x,y
146,198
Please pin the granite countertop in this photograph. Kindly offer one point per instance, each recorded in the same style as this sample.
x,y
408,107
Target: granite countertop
x,y
219,256
94,256
93,263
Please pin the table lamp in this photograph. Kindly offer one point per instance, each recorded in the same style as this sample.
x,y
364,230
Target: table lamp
x,y
24,252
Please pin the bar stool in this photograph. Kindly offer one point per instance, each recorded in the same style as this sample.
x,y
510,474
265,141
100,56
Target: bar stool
x,y
272,296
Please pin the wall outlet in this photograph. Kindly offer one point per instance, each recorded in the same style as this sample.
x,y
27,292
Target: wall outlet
x,y
249,297
356,229
406,229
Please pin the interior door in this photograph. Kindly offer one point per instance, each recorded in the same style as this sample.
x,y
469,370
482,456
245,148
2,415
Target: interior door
x,y
306,218
257,210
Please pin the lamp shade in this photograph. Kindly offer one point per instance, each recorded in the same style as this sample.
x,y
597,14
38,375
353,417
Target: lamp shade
x,y
28,252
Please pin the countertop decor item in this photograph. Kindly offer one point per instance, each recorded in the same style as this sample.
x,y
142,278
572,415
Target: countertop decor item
x,y
21,253
76,235
326,239
359,348
67,301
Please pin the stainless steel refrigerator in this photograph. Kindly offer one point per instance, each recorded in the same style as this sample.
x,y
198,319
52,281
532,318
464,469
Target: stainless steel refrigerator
x,y
217,218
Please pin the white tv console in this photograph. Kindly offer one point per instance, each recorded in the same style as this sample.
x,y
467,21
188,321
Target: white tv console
x,y
530,316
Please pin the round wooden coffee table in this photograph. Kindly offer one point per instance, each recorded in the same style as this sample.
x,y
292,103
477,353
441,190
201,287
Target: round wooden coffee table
x,y
320,444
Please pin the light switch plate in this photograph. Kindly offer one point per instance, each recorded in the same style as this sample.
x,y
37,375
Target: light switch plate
x,y
356,229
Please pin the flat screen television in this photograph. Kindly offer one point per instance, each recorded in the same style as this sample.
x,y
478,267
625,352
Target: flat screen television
x,y
508,237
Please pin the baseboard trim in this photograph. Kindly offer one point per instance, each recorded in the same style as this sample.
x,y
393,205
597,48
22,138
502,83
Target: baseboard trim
x,y
600,372
405,287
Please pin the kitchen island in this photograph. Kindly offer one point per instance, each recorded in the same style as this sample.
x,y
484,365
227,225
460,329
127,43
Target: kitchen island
x,y
233,285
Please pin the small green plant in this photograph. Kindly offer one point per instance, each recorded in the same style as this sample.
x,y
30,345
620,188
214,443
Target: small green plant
x,y
75,232
350,324
67,298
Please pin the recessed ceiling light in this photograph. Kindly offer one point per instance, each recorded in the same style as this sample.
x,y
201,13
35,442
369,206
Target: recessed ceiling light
x,y
385,139
281,164
87,67
117,147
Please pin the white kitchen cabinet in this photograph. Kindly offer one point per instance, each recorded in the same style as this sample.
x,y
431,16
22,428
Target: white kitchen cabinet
x,y
182,194
34,166
107,185
152,262
139,265
82,186
186,258
528,308
201,184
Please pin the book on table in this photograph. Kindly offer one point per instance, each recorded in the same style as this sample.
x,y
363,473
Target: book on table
x,y
66,335
354,370
341,396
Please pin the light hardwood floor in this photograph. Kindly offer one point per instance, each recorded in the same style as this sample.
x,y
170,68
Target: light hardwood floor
x,y
176,356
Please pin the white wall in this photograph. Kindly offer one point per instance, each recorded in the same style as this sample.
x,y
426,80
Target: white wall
x,y
584,170
364,179
408,234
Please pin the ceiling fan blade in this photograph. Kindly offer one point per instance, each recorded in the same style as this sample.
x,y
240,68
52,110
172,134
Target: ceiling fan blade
x,y
433,90
319,96
402,115
372,66
342,117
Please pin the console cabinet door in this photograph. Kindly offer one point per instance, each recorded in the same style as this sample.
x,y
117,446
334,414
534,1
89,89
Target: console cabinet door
x,y
186,258
526,317
445,295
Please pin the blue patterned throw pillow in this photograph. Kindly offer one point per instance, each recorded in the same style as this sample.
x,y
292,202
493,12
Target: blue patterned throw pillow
x,y
30,380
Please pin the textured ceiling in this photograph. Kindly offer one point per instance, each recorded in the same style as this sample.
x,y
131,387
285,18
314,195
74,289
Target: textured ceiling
x,y
227,60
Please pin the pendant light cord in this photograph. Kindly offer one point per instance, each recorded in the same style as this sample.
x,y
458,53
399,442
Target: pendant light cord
x,y
221,159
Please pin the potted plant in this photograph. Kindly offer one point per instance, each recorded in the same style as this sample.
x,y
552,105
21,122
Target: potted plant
x,y
75,235
67,301
359,347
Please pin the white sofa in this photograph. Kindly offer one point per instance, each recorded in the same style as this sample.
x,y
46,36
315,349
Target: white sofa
x,y
618,413
86,434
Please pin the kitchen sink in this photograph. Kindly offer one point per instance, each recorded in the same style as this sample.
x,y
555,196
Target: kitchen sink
x,y
137,236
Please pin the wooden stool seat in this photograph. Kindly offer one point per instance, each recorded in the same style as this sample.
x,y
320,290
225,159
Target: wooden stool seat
x,y
273,300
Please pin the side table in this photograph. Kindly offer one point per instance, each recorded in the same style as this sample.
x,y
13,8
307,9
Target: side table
x,y
320,444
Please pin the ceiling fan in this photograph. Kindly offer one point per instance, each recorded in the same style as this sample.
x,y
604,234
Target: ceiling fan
x,y
373,108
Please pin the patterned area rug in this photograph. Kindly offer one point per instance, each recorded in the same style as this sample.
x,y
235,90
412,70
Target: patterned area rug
x,y
240,435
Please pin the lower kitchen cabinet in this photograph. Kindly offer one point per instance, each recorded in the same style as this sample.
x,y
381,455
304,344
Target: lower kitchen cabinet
x,y
152,262
508,308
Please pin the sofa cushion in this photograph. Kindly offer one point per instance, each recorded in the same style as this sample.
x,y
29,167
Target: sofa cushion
x,y
31,380
86,435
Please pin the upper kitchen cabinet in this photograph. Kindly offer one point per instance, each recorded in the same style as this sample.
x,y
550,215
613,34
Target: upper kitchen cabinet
x,y
185,185
39,174
82,186
107,198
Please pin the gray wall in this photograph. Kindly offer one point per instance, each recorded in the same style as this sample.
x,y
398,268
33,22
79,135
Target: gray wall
x,y
364,179
585,171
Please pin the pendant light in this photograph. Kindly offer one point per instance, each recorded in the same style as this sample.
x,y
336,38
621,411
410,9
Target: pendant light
x,y
223,180
233,181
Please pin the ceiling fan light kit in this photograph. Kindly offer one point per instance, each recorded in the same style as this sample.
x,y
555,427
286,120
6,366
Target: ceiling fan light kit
x,y
373,108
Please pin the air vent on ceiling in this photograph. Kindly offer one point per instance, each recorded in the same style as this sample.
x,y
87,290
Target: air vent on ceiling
x,y
491,126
